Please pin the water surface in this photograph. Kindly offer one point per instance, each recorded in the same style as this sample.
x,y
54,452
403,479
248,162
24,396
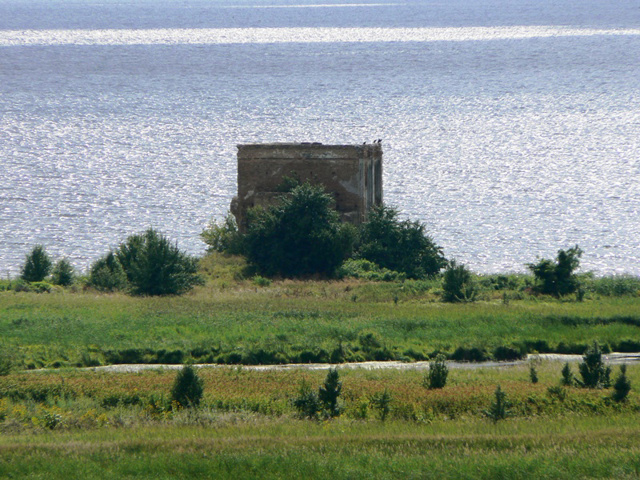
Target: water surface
x,y
511,128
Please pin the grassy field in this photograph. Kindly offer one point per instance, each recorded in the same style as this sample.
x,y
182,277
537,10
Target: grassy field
x,y
301,322
520,449
86,398
72,423
66,422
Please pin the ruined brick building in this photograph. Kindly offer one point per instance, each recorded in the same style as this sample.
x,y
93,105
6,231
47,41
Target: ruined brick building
x,y
351,173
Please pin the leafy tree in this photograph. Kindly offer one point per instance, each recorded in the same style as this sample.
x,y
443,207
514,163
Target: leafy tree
x,y
301,235
63,273
37,265
622,385
187,388
329,393
558,278
457,284
438,373
402,246
107,274
594,373
155,266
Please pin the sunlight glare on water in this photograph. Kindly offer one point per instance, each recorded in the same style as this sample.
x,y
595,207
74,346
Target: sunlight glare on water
x,y
510,131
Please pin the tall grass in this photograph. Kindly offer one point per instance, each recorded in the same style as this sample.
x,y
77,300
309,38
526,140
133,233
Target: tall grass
x,y
92,399
74,423
573,448
301,322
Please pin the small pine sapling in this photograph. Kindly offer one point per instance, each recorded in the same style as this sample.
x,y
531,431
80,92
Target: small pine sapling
x,y
329,392
37,265
63,273
381,401
622,385
187,388
594,373
567,376
499,409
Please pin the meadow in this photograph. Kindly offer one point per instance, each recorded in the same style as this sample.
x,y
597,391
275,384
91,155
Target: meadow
x,y
231,320
61,421
72,423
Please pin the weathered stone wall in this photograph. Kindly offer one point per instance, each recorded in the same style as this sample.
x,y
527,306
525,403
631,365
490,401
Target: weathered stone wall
x,y
351,173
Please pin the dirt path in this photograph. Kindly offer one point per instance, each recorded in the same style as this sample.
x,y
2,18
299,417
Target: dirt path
x,y
612,358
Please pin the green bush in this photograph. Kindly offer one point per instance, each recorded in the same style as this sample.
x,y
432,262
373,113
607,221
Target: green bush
x,y
107,274
223,237
301,235
381,401
307,402
438,373
367,270
457,284
40,287
615,286
567,376
400,246
594,373
187,388
557,278
63,273
37,265
510,281
155,266
261,281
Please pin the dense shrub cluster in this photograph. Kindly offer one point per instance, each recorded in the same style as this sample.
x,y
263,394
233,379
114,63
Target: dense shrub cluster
x,y
613,286
438,372
37,268
558,278
107,274
457,284
146,264
367,270
594,372
302,235
224,237
63,273
325,401
399,245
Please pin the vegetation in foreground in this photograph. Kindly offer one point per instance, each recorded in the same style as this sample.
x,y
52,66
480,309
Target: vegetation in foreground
x,y
387,424
250,447
72,399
